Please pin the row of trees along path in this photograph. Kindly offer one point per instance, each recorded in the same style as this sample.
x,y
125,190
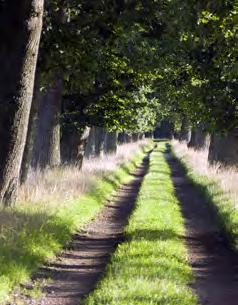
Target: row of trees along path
x,y
74,69
121,67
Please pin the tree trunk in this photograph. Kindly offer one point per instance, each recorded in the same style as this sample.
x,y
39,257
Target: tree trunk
x,y
90,146
185,132
110,146
99,141
199,139
55,98
73,145
121,138
135,137
149,134
20,30
224,149
128,138
82,146
47,142
28,151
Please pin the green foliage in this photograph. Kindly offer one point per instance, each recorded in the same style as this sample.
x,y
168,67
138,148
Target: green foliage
x,y
199,62
151,266
106,57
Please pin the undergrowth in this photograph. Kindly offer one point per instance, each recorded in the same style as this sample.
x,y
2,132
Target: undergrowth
x,y
151,266
30,235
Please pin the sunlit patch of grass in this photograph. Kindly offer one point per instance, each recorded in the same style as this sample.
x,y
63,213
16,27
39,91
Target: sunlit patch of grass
x,y
30,234
218,185
151,266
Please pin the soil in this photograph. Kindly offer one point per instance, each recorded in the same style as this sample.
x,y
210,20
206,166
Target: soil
x,y
78,269
214,264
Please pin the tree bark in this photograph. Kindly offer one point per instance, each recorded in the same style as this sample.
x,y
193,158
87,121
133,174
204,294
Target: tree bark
x,y
185,131
20,30
121,138
82,146
28,151
110,146
90,146
55,99
224,148
199,139
47,142
73,145
135,137
99,141
128,138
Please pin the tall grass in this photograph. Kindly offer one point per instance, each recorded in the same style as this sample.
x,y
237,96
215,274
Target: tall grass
x,y
53,205
218,184
227,177
53,187
151,266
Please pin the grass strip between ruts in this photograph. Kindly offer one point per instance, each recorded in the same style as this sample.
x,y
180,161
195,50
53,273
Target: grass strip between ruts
x,y
40,234
151,266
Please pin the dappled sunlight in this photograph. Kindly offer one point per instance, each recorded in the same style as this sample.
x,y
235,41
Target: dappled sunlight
x,y
151,266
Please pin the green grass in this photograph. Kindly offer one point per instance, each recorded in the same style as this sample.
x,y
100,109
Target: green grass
x,y
32,235
218,200
151,266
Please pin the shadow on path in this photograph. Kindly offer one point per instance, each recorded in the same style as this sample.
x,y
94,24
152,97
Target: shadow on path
x,y
214,264
79,268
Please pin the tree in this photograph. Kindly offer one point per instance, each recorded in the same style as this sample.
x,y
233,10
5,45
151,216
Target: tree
x,y
198,64
20,30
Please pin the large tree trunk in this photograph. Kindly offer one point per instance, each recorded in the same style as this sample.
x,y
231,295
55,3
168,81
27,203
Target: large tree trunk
x,y
73,145
224,149
55,98
28,151
185,131
20,30
90,146
110,146
82,146
47,143
199,139
99,141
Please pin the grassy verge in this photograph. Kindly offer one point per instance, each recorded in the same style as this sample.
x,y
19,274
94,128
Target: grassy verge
x,y
151,267
32,235
220,201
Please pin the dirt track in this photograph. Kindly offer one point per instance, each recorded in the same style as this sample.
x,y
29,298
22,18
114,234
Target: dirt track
x,y
80,267
215,265
77,271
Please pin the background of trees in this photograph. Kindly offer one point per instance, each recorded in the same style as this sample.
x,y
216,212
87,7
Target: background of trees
x,y
109,67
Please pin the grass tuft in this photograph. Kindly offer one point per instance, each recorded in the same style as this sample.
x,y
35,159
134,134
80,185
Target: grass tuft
x,y
151,266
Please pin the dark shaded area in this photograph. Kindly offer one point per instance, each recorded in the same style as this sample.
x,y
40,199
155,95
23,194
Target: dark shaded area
x,y
214,263
165,129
